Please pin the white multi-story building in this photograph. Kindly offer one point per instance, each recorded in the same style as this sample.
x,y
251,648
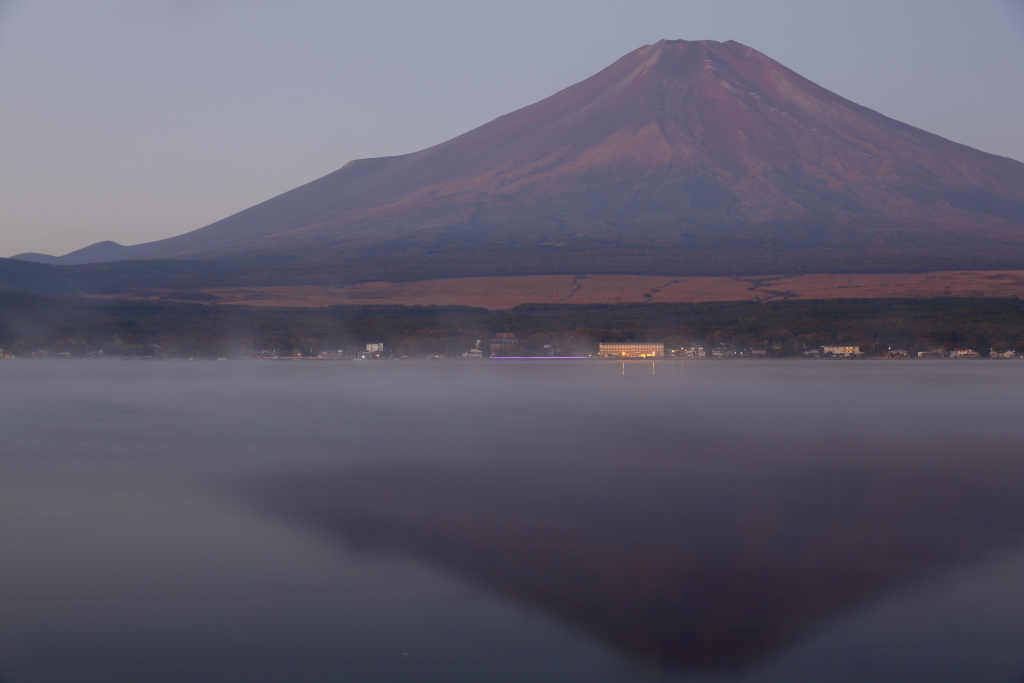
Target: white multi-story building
x,y
631,350
842,350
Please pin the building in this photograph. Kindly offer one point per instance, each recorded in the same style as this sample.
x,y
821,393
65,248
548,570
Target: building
x,y
372,352
696,351
474,353
631,350
964,353
842,350
1002,354
507,345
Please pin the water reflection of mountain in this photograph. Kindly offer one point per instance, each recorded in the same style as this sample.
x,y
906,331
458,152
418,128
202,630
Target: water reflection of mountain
x,y
682,562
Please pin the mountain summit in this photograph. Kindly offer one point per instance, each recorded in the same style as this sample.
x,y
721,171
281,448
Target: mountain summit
x,y
682,157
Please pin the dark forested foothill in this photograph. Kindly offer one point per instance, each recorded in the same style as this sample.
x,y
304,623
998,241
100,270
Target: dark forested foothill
x,y
79,327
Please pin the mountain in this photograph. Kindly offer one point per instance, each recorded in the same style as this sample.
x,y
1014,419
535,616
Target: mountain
x,y
680,158
101,252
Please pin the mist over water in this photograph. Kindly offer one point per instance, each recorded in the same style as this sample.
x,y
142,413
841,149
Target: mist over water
x,y
511,521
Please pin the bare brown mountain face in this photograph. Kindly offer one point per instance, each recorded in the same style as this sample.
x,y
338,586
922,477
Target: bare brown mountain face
x,y
681,158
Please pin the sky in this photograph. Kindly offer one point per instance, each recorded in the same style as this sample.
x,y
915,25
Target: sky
x,y
135,120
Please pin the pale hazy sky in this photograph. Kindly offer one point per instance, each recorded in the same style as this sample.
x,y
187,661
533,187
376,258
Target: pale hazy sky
x,y
134,120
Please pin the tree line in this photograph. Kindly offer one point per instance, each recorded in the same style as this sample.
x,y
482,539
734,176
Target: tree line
x,y
77,327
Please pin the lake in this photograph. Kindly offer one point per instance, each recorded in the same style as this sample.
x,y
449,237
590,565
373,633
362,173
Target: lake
x,y
511,521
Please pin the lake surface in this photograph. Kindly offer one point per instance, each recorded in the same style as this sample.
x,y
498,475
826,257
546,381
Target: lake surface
x,y
511,521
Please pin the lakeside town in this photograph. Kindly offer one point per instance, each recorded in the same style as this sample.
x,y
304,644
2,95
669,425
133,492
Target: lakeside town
x,y
952,328
512,346
506,345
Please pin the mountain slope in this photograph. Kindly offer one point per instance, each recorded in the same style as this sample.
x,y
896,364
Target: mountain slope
x,y
681,157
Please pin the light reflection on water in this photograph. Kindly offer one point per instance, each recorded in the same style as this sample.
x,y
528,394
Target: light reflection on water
x,y
747,521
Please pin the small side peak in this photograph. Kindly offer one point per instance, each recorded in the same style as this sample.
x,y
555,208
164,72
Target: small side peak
x,y
36,257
